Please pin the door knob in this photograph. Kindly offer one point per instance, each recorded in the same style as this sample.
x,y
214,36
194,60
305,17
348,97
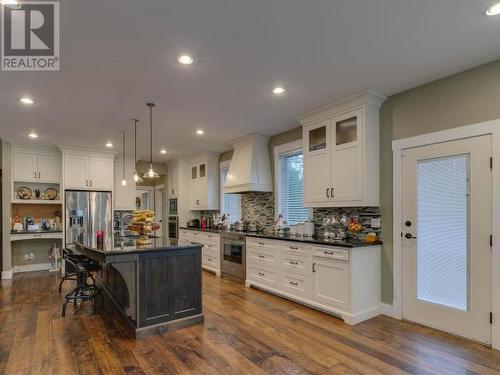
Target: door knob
x,y
410,236
408,223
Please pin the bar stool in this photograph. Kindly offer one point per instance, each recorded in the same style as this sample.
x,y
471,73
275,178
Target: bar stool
x,y
71,272
83,291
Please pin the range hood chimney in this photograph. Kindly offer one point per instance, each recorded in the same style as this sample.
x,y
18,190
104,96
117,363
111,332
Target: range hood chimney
x,y
250,169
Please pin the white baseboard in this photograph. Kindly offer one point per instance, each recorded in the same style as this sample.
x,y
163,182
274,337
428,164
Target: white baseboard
x,y
387,310
32,267
495,337
6,275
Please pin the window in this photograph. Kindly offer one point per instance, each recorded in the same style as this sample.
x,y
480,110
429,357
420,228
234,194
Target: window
x,y
229,203
290,183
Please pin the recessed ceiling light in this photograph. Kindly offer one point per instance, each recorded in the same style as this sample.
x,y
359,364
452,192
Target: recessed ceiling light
x,y
109,144
14,4
200,132
493,10
163,151
185,59
278,90
27,100
33,135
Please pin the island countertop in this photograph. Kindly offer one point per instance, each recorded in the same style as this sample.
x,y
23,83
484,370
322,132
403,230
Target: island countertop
x,y
127,245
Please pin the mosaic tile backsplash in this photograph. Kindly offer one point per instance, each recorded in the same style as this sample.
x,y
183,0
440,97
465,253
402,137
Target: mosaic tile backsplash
x,y
258,208
365,215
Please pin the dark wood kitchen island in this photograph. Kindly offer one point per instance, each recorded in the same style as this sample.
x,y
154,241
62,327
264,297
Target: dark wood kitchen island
x,y
157,288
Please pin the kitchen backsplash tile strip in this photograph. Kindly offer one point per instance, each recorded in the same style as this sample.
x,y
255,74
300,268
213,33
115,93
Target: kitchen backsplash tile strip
x,y
365,215
258,208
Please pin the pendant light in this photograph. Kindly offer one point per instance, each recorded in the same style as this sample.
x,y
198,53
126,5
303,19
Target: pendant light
x,y
124,180
151,172
137,178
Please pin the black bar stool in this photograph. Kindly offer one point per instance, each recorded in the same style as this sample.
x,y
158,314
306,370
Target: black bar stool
x,y
70,272
83,291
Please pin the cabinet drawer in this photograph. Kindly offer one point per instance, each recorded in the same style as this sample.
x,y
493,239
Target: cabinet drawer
x,y
262,244
213,252
294,247
300,286
262,257
262,275
331,253
295,263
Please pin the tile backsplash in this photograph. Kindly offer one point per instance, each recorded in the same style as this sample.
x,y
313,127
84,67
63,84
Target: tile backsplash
x,y
258,208
365,215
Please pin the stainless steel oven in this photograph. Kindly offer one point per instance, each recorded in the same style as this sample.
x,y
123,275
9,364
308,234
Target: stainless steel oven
x,y
233,255
172,206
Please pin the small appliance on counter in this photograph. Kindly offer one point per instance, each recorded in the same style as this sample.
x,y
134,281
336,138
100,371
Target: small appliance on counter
x,y
194,223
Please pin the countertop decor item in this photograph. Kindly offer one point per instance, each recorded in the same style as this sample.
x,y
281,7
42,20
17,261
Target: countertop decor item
x,y
143,223
24,192
51,194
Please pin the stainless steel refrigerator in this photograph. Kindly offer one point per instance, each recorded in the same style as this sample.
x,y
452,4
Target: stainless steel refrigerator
x,y
87,214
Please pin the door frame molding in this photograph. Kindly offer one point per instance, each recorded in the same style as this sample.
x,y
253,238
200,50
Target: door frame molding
x,y
398,146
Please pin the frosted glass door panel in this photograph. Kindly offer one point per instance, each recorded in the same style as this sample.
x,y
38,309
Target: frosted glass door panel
x,y
443,231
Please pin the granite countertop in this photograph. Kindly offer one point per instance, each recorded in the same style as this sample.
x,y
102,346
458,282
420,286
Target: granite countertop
x,y
311,240
122,245
34,231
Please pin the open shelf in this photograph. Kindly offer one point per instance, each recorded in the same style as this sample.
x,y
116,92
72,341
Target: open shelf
x,y
35,201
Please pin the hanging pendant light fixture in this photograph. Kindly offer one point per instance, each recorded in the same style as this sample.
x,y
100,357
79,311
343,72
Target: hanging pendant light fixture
x,y
137,178
124,180
151,172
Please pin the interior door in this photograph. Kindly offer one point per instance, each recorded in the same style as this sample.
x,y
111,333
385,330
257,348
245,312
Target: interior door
x,y
48,168
446,236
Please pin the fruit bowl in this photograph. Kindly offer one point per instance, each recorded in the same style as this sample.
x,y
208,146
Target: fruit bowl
x,y
143,223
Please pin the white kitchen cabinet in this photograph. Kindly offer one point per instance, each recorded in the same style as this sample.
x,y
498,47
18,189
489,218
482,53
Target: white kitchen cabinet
x,y
173,181
341,281
210,260
341,153
204,184
124,196
331,282
35,166
87,171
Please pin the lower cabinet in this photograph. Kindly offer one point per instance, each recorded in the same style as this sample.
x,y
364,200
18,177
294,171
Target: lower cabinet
x,y
211,247
341,281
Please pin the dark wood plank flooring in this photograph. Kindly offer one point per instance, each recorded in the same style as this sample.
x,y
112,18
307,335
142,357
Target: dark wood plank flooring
x,y
246,332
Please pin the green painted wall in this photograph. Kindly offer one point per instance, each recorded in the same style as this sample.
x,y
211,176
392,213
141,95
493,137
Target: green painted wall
x,y
462,99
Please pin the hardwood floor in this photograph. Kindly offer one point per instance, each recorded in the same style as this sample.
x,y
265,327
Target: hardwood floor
x,y
246,332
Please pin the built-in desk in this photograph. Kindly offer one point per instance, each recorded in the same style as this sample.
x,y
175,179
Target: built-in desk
x,y
157,288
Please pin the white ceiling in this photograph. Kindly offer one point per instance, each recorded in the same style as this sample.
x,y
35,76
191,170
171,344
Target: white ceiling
x,y
118,54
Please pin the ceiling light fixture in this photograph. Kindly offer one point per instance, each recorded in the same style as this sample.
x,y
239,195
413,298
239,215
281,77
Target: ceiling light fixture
x,y
163,151
27,100
124,180
137,178
279,90
200,132
13,4
33,135
109,144
185,59
493,10
151,172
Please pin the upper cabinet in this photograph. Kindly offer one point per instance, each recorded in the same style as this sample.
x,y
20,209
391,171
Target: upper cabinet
x,y
341,153
36,166
204,193
173,181
87,170
124,196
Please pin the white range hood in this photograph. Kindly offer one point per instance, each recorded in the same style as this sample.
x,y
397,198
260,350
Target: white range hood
x,y
250,169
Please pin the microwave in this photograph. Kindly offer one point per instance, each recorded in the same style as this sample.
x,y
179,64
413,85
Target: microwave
x,y
172,206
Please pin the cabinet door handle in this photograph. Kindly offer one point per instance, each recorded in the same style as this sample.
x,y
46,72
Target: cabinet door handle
x,y
261,256
35,174
328,252
261,274
327,190
314,267
332,192
261,243
293,283
86,182
90,182
294,248
39,175
294,263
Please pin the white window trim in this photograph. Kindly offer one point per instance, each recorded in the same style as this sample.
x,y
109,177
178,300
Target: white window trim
x,y
398,146
223,165
287,148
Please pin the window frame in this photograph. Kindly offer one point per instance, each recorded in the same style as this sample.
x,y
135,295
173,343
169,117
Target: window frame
x,y
284,150
224,165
